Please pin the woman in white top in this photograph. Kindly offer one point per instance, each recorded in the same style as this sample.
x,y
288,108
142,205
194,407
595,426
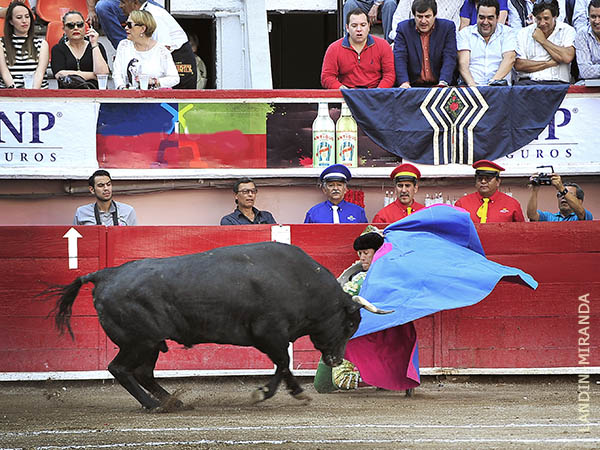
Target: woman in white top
x,y
21,52
139,54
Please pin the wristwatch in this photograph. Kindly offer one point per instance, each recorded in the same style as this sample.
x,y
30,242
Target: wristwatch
x,y
564,192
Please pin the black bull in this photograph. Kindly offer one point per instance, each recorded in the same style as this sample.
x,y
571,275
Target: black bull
x,y
263,295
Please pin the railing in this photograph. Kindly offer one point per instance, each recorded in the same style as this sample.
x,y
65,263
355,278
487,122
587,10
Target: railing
x,y
515,330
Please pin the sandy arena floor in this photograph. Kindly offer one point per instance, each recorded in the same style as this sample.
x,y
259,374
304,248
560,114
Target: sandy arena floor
x,y
454,412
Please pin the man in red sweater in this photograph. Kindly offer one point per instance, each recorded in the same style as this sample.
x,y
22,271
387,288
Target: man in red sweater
x,y
358,60
405,178
488,204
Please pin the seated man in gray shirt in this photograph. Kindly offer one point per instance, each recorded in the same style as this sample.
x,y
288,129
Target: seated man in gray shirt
x,y
244,194
104,211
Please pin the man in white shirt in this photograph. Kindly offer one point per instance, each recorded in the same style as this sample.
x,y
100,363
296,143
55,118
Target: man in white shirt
x,y
545,49
486,51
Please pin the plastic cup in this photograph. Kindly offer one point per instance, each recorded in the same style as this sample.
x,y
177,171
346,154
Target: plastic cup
x,y
144,79
28,80
102,81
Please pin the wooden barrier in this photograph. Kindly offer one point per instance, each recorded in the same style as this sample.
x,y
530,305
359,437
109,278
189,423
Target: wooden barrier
x,y
514,330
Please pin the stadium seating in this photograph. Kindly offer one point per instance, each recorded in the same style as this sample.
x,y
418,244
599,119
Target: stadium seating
x,y
54,32
52,10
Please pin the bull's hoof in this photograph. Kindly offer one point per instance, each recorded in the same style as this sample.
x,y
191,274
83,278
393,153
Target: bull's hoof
x,y
259,395
409,392
171,404
303,397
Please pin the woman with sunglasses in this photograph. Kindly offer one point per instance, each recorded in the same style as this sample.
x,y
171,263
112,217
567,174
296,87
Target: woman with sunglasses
x,y
78,52
140,54
21,52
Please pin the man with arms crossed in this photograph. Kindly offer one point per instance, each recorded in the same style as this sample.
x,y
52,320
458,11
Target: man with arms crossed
x,y
545,49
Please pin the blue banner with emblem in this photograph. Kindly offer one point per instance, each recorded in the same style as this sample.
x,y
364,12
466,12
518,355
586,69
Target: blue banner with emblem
x,y
454,125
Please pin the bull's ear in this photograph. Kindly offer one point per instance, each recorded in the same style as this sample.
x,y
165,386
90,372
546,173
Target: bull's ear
x,y
364,303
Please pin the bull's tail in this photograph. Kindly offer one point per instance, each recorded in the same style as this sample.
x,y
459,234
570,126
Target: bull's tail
x,y
64,305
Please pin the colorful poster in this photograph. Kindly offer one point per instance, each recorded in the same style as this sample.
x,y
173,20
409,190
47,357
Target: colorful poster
x,y
182,136
47,134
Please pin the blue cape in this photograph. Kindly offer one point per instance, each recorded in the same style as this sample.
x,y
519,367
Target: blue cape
x,y
430,261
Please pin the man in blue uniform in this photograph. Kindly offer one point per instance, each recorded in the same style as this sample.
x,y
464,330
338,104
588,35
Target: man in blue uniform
x,y
335,209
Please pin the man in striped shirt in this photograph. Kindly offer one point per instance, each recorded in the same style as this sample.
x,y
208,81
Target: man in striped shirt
x,y
587,44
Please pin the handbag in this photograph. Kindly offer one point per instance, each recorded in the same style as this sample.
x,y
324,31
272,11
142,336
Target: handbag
x,y
75,82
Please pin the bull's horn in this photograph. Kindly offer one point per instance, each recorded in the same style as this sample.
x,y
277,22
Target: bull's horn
x,y
370,306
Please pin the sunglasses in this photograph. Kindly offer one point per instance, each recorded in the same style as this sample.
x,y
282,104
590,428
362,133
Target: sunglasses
x,y
248,191
73,25
131,25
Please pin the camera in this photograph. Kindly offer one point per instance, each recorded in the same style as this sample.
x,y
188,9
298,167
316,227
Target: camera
x,y
543,178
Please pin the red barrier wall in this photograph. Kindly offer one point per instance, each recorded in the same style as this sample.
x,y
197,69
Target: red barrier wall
x,y
514,330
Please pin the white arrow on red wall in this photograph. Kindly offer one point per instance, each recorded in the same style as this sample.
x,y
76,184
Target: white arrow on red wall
x,y
72,235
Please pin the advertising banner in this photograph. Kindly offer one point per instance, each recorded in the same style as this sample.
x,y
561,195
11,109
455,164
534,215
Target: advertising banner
x,y
569,144
47,134
52,137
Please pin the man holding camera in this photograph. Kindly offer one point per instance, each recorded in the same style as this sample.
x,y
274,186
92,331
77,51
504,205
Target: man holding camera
x,y
570,201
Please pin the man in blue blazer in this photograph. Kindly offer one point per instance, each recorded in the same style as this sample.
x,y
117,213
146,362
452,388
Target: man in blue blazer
x,y
425,35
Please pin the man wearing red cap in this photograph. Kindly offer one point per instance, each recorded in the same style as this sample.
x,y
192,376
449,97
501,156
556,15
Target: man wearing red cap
x,y
488,204
405,178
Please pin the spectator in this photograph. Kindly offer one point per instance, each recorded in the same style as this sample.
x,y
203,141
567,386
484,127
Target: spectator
x,y
446,9
342,67
371,8
486,51
202,76
74,55
170,34
405,178
108,15
21,51
587,45
105,210
570,203
429,36
244,195
520,13
581,15
488,204
545,49
335,209
468,13
140,54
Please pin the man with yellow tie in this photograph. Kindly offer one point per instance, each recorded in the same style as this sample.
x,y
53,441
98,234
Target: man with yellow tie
x,y
488,204
405,178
